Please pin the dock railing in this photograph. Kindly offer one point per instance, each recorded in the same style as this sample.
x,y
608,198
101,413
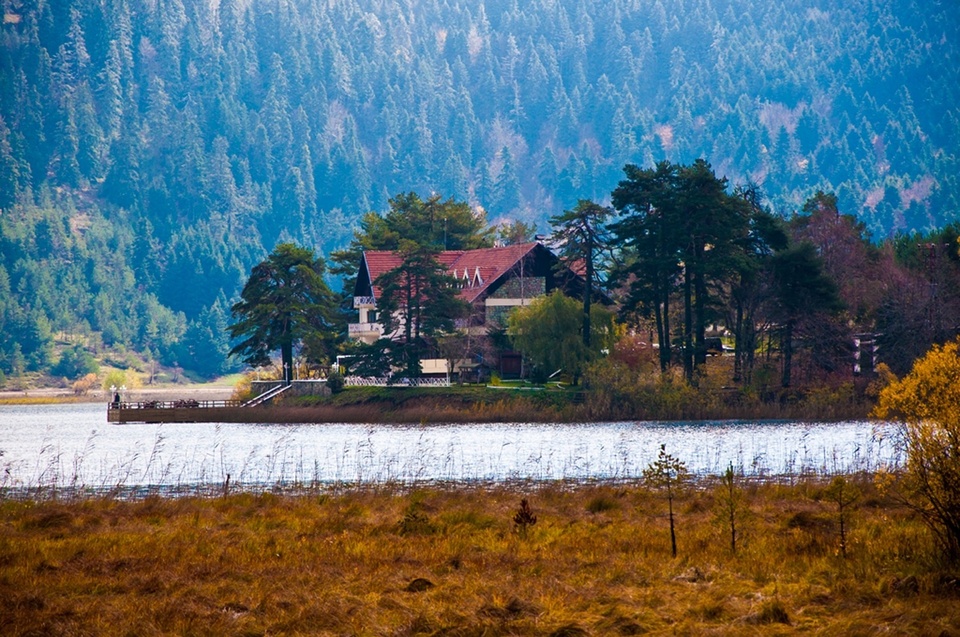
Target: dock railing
x,y
176,404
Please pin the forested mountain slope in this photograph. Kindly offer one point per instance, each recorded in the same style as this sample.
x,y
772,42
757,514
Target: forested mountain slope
x,y
152,150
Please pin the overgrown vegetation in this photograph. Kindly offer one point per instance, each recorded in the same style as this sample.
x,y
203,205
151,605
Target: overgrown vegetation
x,y
928,402
447,561
611,393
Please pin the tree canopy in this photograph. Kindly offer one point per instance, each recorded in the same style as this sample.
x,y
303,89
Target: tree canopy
x,y
582,241
418,302
548,333
285,303
434,224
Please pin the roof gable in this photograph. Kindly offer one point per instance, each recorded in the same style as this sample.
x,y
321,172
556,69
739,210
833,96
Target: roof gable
x,y
477,269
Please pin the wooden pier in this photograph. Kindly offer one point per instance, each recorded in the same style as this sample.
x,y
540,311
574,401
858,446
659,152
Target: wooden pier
x,y
157,411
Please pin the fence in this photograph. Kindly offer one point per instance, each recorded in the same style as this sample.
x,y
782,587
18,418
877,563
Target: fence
x,y
383,381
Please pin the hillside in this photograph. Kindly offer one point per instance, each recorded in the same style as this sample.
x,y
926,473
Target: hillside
x,y
152,150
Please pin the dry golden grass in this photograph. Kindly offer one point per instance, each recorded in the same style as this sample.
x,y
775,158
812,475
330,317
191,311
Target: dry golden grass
x,y
447,561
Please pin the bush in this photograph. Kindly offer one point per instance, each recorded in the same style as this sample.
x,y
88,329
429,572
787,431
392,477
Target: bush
x,y
928,402
84,385
335,382
75,362
120,378
602,503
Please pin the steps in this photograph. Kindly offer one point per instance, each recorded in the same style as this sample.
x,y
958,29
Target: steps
x,y
267,396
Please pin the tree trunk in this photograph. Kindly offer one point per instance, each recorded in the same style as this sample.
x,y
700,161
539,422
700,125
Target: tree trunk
x,y
738,344
286,358
408,329
673,534
664,352
787,346
587,293
687,326
700,300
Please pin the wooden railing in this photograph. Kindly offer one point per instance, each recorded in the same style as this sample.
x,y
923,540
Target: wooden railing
x,y
364,328
267,396
176,404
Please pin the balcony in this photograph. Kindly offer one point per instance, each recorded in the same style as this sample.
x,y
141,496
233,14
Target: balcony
x,y
364,301
357,330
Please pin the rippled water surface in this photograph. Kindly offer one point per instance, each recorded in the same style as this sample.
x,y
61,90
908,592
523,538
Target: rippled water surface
x,y
73,445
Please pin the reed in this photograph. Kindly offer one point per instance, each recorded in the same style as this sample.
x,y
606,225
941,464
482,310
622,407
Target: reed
x,y
446,560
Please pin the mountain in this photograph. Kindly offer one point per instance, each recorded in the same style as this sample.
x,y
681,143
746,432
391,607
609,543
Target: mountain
x,y
152,150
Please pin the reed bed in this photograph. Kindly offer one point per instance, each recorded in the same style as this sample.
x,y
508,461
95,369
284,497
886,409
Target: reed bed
x,y
451,560
559,406
178,459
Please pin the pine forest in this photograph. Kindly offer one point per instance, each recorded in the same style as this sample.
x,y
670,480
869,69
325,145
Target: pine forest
x,y
153,151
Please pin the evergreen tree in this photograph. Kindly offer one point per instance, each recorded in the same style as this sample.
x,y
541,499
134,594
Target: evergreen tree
x,y
9,170
418,303
583,241
284,301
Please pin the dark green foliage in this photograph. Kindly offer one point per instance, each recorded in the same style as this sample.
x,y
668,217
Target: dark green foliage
x,y
284,301
192,136
806,296
432,223
680,230
418,302
74,363
335,382
524,518
205,345
582,240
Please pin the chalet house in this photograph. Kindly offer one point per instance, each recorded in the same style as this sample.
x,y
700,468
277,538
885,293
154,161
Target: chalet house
x,y
492,280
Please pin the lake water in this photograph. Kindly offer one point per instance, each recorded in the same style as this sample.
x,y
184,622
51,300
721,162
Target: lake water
x,y
72,446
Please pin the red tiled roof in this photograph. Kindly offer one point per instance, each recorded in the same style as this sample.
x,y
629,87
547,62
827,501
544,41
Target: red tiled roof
x,y
492,263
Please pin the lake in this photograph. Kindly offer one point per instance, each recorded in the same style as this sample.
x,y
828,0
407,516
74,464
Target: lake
x,y
72,446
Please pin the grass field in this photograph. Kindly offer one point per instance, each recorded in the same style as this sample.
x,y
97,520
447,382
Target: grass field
x,y
452,561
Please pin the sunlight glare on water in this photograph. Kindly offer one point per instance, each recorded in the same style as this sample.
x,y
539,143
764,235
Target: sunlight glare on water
x,y
73,446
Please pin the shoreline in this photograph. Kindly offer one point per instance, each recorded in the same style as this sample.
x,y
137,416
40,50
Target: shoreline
x,y
63,395
435,406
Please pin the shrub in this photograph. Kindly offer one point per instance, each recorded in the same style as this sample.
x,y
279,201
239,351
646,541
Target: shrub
x,y
524,518
75,362
415,522
335,382
928,402
121,377
243,390
602,503
83,385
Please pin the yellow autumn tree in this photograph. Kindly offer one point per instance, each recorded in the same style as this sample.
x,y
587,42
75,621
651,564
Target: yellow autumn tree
x,y
927,403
